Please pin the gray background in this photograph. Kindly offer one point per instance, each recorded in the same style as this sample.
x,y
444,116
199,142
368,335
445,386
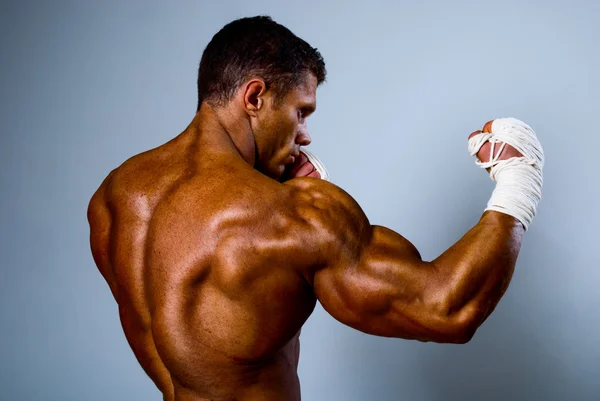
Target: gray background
x,y
84,86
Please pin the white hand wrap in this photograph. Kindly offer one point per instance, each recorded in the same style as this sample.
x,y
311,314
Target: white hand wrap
x,y
317,164
518,179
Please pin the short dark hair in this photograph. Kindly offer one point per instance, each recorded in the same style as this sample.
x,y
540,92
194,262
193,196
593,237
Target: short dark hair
x,y
256,46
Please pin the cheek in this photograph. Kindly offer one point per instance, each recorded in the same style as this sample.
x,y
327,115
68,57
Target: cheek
x,y
294,126
287,130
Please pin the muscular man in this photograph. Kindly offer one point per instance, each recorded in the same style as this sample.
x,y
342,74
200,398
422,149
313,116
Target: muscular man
x,y
218,244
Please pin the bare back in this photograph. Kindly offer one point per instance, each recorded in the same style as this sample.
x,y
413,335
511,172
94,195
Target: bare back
x,y
215,268
181,242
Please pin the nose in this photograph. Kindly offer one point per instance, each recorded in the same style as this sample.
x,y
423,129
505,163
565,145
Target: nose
x,y
303,138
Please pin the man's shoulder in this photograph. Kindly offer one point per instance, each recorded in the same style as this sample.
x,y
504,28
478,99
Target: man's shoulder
x,y
98,201
140,183
324,202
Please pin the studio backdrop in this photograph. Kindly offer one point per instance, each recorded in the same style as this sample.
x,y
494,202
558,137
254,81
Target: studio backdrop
x,y
85,85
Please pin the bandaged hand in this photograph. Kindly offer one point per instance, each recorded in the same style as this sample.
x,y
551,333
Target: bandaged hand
x,y
306,165
510,151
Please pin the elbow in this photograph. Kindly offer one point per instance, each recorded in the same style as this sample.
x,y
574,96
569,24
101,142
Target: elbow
x,y
455,333
453,316
463,336
458,327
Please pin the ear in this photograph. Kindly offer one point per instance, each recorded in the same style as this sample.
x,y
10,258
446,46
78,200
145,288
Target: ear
x,y
254,96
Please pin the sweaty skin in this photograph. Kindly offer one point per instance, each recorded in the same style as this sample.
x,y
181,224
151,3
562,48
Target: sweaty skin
x,y
215,264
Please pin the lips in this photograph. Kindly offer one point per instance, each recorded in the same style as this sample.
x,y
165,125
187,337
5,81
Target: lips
x,y
293,157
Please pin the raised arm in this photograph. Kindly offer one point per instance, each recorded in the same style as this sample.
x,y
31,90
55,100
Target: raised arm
x,y
374,280
386,289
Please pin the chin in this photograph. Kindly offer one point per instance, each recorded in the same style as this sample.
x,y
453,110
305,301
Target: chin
x,y
275,172
280,173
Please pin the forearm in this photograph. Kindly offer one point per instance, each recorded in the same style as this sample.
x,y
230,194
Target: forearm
x,y
474,273
471,276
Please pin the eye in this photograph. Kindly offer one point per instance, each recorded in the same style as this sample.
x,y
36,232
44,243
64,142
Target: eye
x,y
304,112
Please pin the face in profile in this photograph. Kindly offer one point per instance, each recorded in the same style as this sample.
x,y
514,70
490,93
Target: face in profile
x,y
283,129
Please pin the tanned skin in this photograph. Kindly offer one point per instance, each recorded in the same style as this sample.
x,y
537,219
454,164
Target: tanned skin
x,y
216,258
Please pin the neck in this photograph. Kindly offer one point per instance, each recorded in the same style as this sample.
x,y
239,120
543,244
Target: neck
x,y
225,129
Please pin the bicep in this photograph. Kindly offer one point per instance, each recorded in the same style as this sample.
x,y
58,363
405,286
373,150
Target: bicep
x,y
368,277
383,291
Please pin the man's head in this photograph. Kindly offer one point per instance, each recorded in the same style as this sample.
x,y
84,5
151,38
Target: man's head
x,y
270,74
